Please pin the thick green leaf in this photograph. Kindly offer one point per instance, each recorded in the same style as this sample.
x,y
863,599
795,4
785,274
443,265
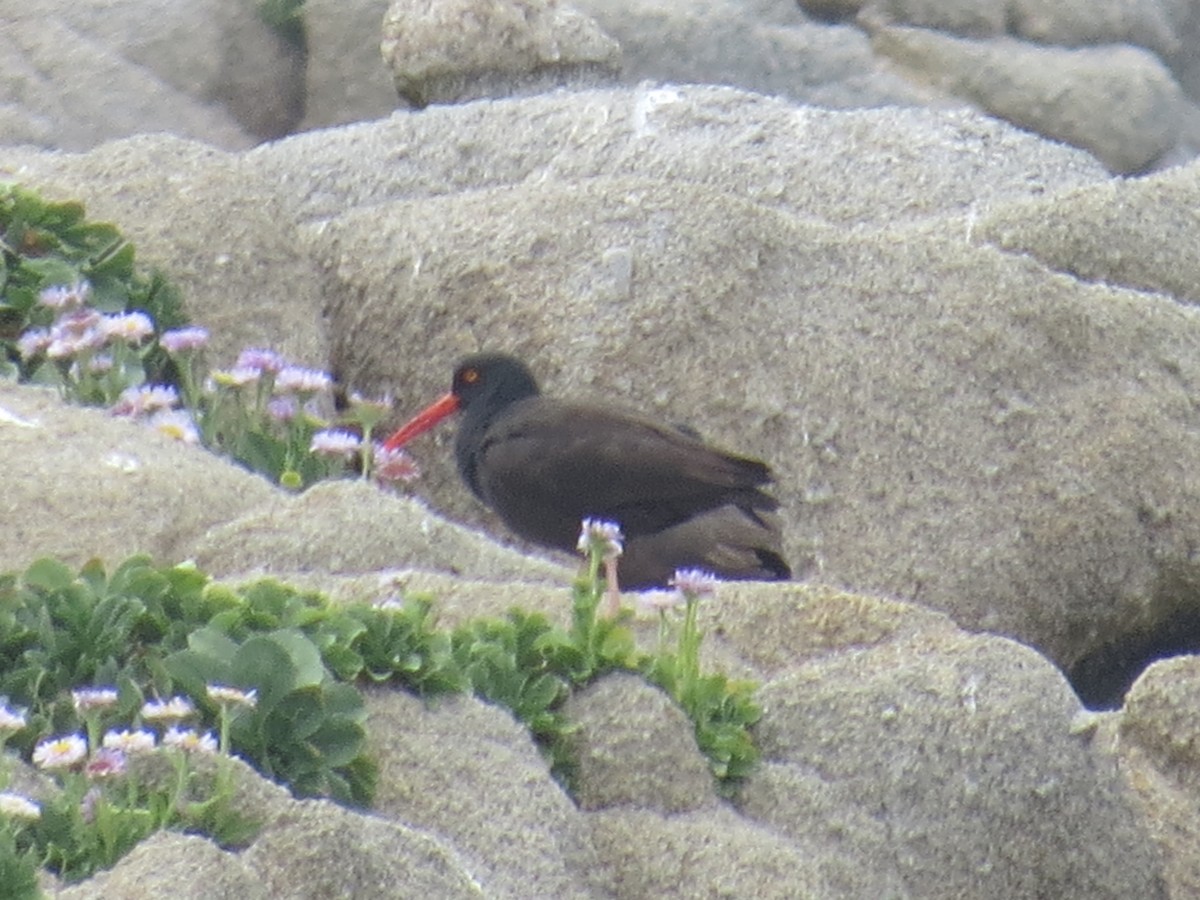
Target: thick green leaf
x,y
303,653
263,663
48,574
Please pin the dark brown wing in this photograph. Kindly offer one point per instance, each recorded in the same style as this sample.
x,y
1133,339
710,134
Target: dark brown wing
x,y
724,541
547,465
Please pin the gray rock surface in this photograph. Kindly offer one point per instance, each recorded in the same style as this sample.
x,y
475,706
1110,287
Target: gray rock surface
x,y
636,747
319,850
81,73
466,771
346,79
1122,104
79,484
1101,233
458,50
1157,737
169,864
956,728
351,527
769,49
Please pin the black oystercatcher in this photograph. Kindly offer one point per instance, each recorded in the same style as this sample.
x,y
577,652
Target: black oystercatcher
x,y
544,465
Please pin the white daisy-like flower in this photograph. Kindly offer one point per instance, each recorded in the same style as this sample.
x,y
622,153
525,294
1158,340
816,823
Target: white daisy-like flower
x,y
232,696
695,583
379,406
147,398
177,424
335,442
168,710
66,296
132,328
393,466
602,536
14,806
298,380
259,359
106,763
33,342
11,719
181,340
283,409
87,699
141,741
65,343
658,601
189,740
239,376
60,753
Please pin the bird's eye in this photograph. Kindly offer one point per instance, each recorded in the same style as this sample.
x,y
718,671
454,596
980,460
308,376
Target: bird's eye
x,y
470,376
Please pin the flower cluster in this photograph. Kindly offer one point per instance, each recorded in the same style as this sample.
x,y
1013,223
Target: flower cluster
x,y
266,412
91,355
97,787
79,331
271,413
71,752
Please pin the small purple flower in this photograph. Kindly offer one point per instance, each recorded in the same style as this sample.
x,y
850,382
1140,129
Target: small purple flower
x,y
177,424
87,699
87,806
138,401
100,364
602,537
335,443
66,346
298,380
33,342
74,333
77,322
283,409
181,340
62,296
695,583
658,601
106,763
377,408
238,376
393,466
131,328
260,360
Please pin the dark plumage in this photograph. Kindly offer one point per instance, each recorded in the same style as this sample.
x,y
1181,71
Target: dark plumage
x,y
544,465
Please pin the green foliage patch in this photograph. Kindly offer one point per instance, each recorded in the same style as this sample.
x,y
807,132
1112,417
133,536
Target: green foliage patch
x,y
154,632
161,631
45,243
